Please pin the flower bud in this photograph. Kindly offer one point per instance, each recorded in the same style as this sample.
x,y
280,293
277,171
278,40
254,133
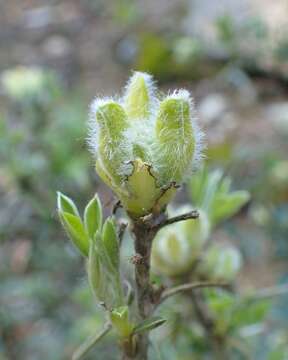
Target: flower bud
x,y
175,136
112,122
221,262
139,96
144,148
176,246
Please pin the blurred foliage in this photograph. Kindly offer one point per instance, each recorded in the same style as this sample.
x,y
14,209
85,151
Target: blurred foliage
x,y
42,129
45,305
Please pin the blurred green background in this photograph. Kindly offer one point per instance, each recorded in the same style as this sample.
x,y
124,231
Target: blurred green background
x,y
55,56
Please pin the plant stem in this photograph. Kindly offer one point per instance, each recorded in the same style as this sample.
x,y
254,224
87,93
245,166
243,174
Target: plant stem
x,y
194,214
144,230
144,233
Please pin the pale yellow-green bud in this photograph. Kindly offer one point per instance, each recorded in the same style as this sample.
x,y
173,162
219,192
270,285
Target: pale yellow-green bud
x,y
112,122
177,246
175,136
139,96
144,147
221,262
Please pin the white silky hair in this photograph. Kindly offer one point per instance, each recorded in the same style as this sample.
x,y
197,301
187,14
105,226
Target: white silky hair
x,y
93,140
162,151
142,132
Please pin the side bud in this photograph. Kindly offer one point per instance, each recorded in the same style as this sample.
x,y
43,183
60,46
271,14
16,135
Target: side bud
x,y
221,263
177,246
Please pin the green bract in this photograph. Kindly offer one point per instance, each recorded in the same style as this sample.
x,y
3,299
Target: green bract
x,y
144,146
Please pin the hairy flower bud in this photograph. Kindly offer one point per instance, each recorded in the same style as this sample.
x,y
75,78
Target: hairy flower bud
x,y
175,136
139,96
144,147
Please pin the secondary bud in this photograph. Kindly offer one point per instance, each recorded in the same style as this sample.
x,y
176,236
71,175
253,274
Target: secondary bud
x,y
221,262
177,246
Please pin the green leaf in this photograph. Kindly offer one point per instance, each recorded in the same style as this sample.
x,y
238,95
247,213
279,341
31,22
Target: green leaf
x,y
103,278
65,204
76,231
149,324
197,186
95,273
93,216
120,320
225,206
110,242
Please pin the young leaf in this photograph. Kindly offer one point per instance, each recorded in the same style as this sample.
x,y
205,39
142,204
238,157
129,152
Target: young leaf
x,y
227,205
75,230
104,279
120,320
65,204
96,274
149,324
93,216
110,242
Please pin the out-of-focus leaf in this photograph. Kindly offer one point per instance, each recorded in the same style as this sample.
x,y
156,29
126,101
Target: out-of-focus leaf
x,y
149,324
227,205
120,320
76,231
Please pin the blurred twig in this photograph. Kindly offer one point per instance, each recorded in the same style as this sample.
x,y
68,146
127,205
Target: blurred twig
x,y
190,286
268,292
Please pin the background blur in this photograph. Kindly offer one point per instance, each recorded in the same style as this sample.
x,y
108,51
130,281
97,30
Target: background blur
x,y
55,56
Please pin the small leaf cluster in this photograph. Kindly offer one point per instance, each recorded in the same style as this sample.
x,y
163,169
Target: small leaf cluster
x,y
98,242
